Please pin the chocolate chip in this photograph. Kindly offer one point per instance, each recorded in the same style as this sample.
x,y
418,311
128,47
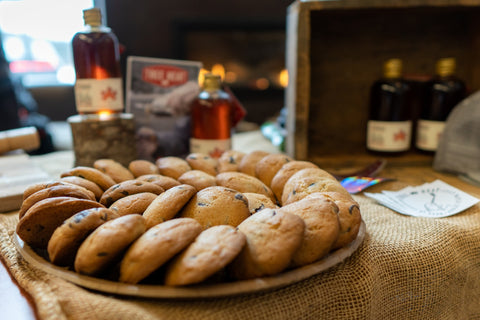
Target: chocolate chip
x,y
231,160
192,157
352,207
201,204
102,254
259,208
125,192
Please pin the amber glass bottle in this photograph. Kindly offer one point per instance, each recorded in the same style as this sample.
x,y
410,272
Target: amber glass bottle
x,y
442,94
211,119
389,127
96,55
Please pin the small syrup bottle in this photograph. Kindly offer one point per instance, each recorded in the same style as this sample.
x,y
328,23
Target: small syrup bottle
x,y
389,128
96,55
211,119
442,94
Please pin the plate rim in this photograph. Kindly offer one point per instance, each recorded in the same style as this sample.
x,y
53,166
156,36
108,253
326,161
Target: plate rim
x,y
198,291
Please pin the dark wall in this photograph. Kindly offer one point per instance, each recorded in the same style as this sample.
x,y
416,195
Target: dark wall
x,y
156,28
148,28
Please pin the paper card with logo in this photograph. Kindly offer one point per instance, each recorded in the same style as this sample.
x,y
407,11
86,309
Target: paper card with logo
x,y
159,93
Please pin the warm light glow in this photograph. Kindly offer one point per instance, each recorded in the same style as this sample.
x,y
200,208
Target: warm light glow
x,y
104,114
100,73
230,77
262,83
283,78
201,76
218,69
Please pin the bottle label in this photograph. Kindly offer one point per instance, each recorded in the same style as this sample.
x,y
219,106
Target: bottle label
x,y
94,95
389,136
428,134
212,147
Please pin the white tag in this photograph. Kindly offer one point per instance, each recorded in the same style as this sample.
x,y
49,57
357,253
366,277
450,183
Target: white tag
x,y
92,95
390,136
214,148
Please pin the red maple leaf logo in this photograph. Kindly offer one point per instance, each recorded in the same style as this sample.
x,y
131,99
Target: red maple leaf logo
x,y
401,135
109,93
216,153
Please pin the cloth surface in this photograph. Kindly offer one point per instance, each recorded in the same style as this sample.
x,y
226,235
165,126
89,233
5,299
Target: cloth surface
x,y
406,268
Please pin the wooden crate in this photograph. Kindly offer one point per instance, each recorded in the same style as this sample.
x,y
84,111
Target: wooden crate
x,y
336,49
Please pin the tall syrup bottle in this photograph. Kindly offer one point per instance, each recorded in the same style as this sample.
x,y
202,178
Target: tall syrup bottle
x,y
96,55
211,119
389,128
442,94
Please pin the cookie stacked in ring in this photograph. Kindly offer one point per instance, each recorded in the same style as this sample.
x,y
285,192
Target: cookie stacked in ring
x,y
189,220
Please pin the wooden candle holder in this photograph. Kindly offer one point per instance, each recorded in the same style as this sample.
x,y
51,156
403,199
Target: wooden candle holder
x,y
100,137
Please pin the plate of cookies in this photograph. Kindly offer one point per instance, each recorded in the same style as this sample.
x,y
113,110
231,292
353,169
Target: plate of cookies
x,y
192,227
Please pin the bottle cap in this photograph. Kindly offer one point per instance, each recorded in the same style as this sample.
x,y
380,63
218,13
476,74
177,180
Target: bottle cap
x,y
392,68
92,17
24,138
446,67
212,81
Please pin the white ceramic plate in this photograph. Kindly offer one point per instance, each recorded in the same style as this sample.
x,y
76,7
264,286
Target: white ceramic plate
x,y
197,291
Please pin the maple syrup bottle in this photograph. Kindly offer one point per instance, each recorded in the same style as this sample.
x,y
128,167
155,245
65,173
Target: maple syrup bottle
x,y
96,55
211,119
389,128
442,94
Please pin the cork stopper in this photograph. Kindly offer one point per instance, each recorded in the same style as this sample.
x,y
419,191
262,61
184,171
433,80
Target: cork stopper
x,y
392,68
212,82
446,67
24,138
92,17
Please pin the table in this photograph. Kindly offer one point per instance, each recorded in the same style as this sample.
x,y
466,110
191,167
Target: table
x,y
406,268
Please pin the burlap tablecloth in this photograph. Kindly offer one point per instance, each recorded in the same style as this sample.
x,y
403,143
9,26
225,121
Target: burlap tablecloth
x,y
406,268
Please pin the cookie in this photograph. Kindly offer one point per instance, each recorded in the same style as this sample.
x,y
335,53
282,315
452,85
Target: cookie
x,y
230,161
307,181
172,167
349,216
322,227
87,184
142,167
31,189
243,183
203,162
272,239
67,238
268,167
127,188
168,204
134,203
101,179
257,202
198,179
285,172
211,251
104,246
113,169
61,190
40,221
157,246
217,205
249,161
162,181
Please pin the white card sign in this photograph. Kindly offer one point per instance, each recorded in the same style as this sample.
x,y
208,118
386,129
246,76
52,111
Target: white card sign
x,y
431,200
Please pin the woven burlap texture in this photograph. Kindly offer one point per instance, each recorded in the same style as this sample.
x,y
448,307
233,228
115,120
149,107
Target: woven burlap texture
x,y
406,268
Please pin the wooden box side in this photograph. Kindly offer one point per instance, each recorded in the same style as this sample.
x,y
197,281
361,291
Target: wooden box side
x,y
340,53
